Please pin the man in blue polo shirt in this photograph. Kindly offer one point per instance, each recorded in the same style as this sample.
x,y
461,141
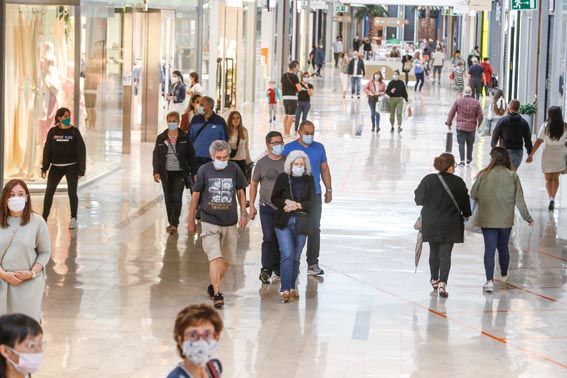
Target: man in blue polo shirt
x,y
318,158
205,128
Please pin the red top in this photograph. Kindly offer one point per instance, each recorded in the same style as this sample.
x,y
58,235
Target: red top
x,y
487,75
272,95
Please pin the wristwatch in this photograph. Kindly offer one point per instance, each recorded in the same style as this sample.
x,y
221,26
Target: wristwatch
x,y
329,190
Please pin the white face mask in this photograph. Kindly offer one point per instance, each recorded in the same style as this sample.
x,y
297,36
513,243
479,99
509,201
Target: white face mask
x,y
28,363
395,77
297,171
199,352
200,109
220,164
17,204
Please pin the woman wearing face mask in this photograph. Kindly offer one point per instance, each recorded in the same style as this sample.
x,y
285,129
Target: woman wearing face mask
x,y
293,194
303,100
238,140
26,249
176,95
375,89
194,87
64,155
174,164
190,112
397,91
21,346
445,202
196,333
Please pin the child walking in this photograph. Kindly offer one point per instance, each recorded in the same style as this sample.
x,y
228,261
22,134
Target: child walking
x,y
274,96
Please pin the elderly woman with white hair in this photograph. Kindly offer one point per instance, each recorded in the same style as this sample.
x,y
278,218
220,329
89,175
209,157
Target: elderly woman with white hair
x,y
293,194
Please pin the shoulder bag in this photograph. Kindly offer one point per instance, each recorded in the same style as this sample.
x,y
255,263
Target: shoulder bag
x,y
446,187
303,224
235,151
186,174
8,246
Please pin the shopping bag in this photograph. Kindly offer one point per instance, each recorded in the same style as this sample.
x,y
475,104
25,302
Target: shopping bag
x,y
471,224
418,249
385,104
449,142
406,112
451,76
486,125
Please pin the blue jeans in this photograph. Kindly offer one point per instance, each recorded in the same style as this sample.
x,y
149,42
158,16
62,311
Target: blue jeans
x,y
302,111
516,158
496,238
270,247
291,245
355,85
374,115
465,137
420,79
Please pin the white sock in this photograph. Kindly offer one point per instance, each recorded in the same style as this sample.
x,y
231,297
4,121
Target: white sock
x,y
551,198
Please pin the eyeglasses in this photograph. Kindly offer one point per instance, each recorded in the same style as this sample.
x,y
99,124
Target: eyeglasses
x,y
275,143
196,335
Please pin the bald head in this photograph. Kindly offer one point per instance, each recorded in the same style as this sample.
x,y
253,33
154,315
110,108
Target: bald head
x,y
468,91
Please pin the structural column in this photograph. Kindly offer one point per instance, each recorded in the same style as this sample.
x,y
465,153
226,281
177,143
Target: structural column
x,y
2,72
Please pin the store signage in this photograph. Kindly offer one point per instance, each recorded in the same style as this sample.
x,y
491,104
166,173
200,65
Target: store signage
x,y
480,5
342,19
524,4
341,8
318,4
391,22
448,11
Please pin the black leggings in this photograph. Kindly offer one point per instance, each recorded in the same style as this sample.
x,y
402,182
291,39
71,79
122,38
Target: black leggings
x,y
173,185
440,260
71,173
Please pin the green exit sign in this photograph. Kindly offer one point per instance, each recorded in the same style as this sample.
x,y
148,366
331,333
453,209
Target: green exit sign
x,y
341,8
524,4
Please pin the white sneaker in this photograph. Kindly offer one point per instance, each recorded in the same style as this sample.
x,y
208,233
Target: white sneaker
x,y
73,224
488,287
505,278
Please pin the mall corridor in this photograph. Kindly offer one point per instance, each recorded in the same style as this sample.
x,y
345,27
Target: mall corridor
x,y
115,284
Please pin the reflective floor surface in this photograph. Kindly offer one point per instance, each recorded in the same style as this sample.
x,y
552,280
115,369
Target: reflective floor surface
x,y
116,284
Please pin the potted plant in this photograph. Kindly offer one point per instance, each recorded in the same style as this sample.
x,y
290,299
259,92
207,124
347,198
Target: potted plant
x,y
527,111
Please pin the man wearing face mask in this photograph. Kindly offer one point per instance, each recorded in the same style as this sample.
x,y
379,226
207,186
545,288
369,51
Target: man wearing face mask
x,y
174,165
205,128
265,173
318,158
215,190
356,71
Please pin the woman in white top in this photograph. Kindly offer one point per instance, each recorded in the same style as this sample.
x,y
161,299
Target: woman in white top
x,y
25,250
553,134
238,140
419,72
497,108
194,87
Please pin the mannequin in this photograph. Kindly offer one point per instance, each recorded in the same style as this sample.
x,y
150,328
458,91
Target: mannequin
x,y
49,88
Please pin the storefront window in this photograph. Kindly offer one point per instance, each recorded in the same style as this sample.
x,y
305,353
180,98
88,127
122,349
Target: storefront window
x,y
38,80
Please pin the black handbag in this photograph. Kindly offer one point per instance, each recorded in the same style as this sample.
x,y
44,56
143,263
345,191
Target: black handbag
x,y
303,224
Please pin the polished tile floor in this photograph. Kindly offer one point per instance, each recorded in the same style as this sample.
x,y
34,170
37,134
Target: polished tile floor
x,y
116,284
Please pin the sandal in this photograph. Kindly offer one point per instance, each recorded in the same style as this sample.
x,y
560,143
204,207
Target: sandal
x,y
442,290
435,284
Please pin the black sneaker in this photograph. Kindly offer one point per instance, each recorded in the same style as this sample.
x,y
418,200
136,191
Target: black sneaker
x,y
399,129
211,291
218,300
377,129
392,130
551,206
265,276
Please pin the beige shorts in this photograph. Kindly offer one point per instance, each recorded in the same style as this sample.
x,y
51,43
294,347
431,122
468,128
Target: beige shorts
x,y
219,241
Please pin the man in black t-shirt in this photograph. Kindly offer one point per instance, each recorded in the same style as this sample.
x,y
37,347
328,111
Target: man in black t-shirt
x,y
290,87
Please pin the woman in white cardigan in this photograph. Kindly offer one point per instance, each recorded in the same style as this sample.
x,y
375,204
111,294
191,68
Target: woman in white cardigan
x,y
25,250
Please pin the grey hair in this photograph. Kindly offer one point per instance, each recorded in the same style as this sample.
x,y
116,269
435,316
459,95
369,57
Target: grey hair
x,y
468,91
218,146
292,157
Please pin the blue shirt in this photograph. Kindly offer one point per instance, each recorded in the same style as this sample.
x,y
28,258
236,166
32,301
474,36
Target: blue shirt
x,y
317,156
215,129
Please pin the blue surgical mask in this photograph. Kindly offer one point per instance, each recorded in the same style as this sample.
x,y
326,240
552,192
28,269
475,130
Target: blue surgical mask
x,y
220,164
172,126
307,139
297,171
278,149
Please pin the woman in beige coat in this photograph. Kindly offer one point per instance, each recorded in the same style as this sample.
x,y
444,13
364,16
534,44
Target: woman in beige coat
x,y
498,191
25,250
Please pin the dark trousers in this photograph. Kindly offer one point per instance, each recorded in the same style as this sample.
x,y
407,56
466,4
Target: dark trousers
x,y
71,174
420,79
301,113
336,59
173,186
496,238
314,239
319,66
407,76
270,246
202,161
476,86
440,260
465,137
374,115
242,165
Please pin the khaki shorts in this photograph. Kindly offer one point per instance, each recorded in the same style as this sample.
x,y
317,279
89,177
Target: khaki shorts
x,y
219,241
